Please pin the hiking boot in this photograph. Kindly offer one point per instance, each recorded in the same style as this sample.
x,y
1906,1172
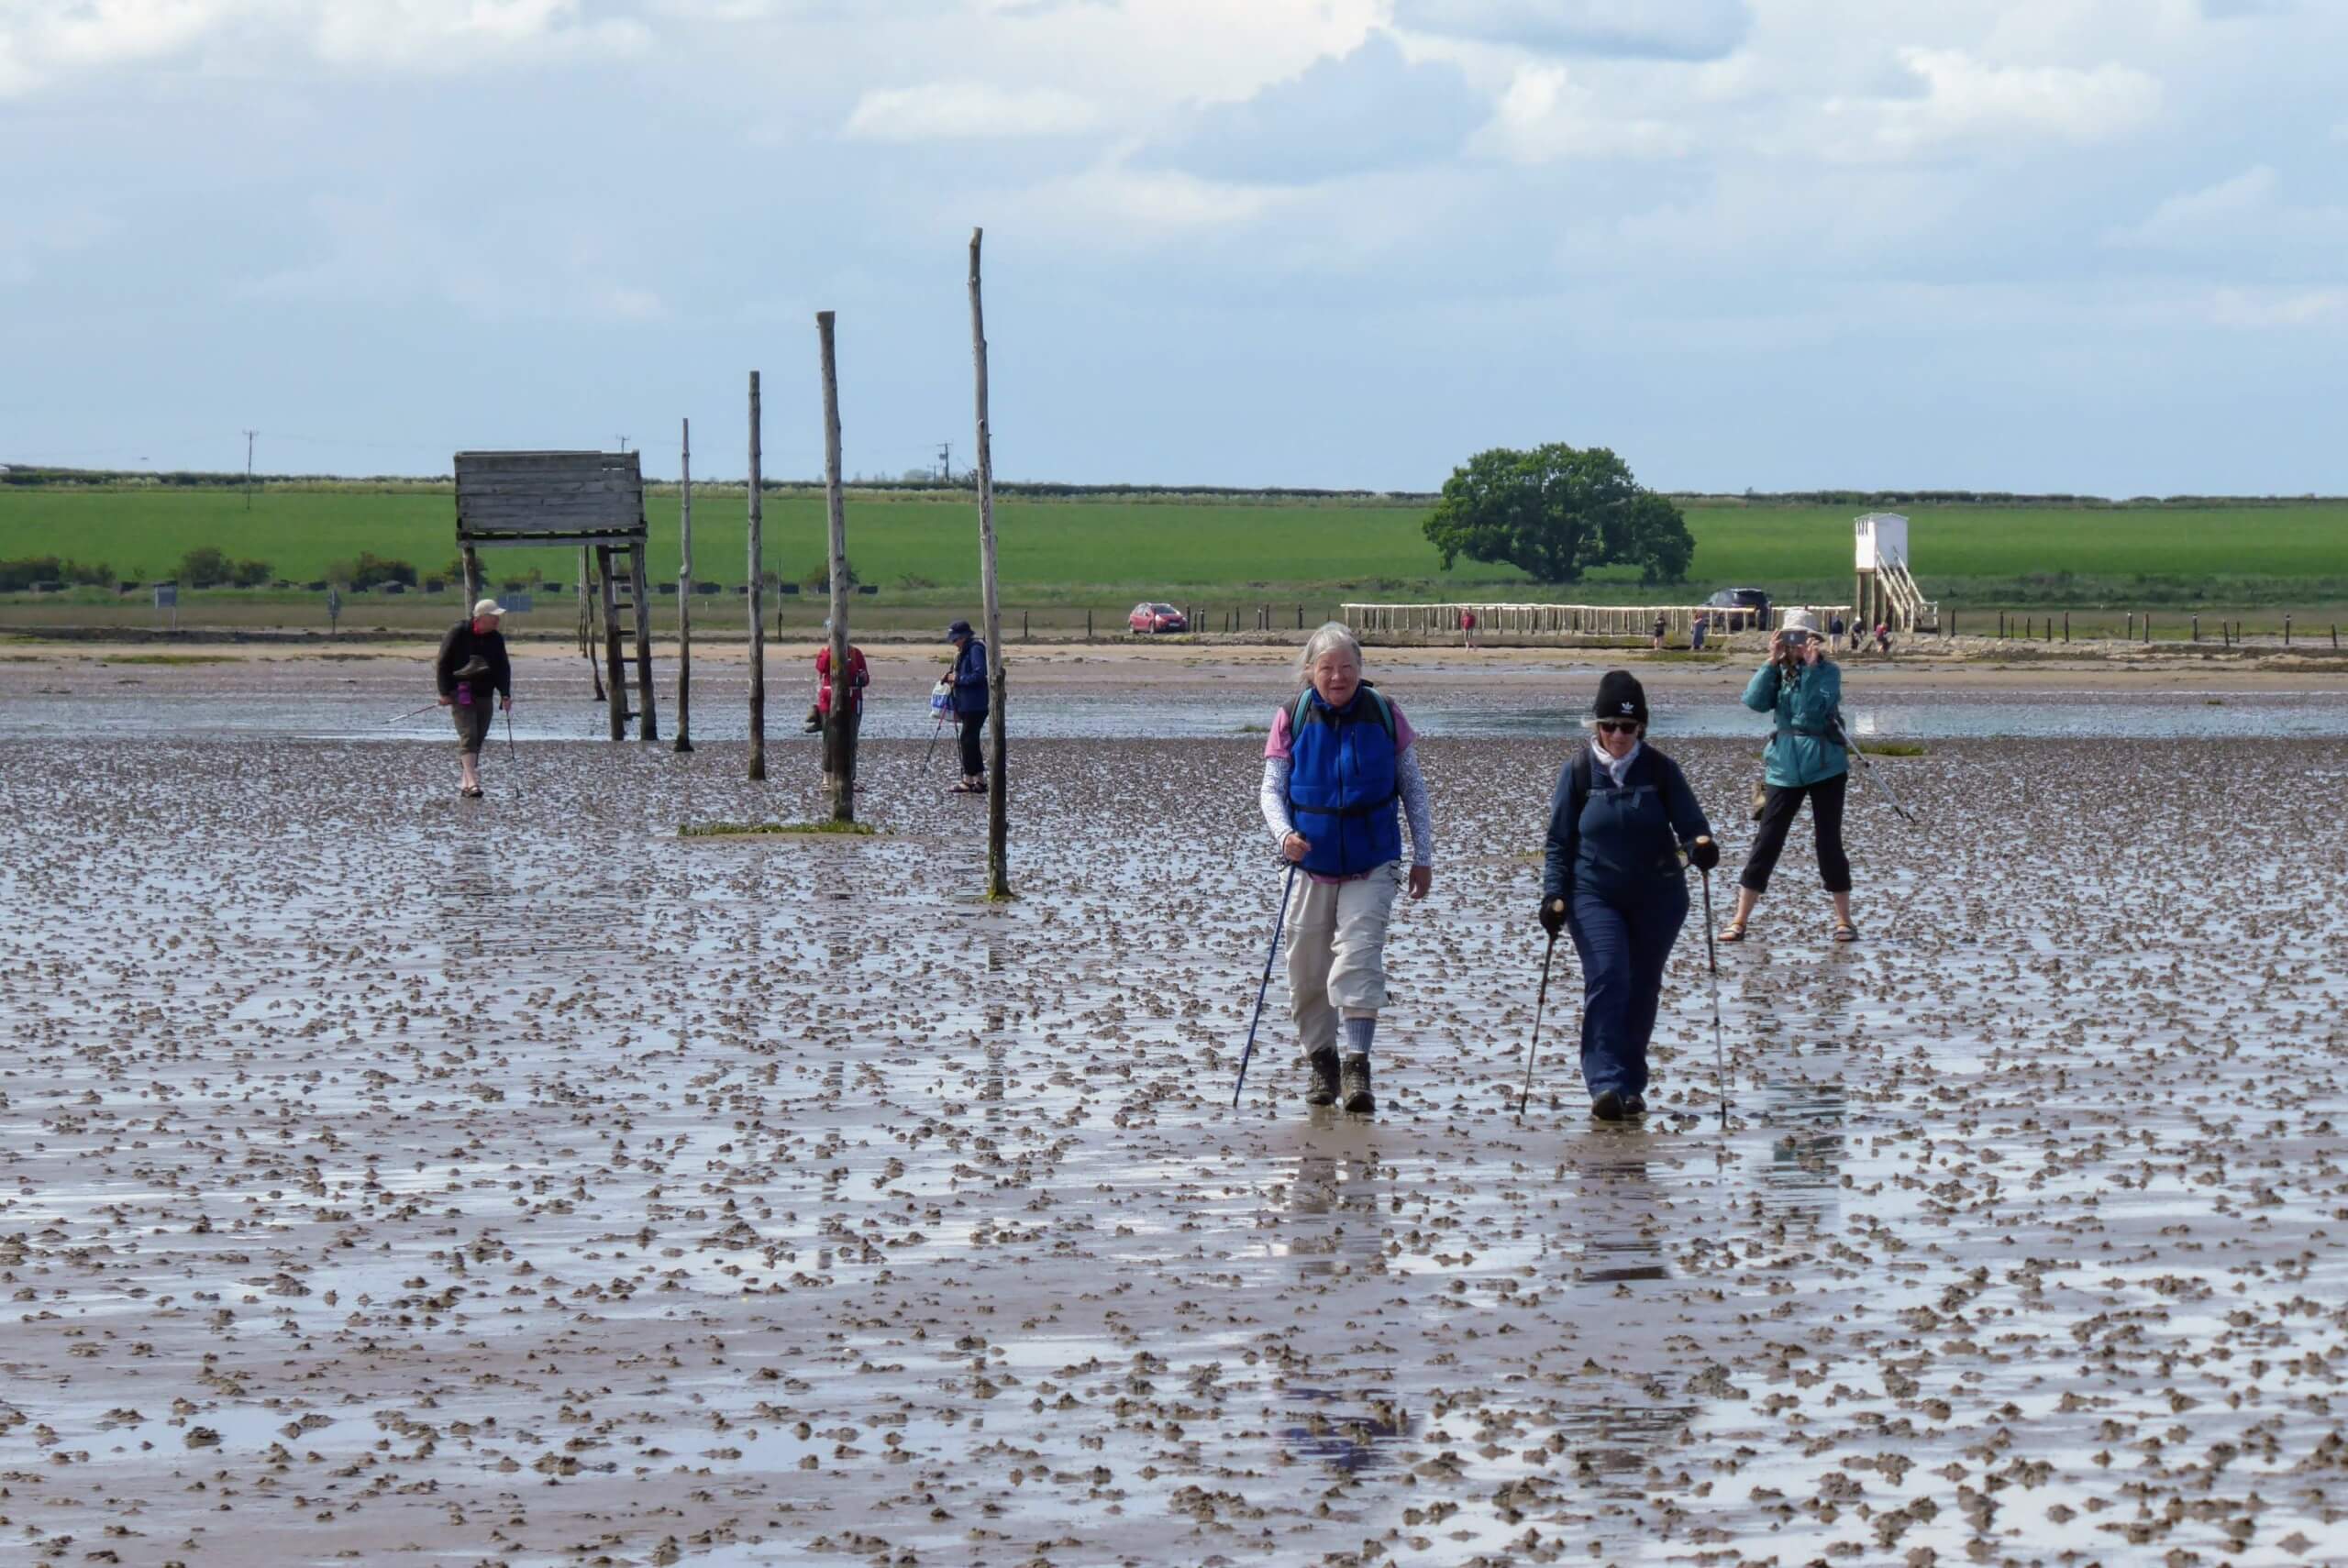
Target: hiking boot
x,y
1355,1084
1607,1106
1322,1090
1635,1105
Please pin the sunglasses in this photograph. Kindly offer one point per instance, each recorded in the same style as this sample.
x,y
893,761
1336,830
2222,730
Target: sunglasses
x,y
1618,726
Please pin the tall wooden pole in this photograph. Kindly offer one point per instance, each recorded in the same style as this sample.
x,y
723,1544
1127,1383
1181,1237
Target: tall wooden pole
x,y
757,604
998,811
839,725
685,595
640,590
586,622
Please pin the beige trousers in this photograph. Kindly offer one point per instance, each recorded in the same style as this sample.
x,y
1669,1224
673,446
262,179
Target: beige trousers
x,y
1337,951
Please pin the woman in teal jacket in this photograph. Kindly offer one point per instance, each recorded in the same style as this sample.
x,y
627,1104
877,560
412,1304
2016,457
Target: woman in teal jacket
x,y
1803,687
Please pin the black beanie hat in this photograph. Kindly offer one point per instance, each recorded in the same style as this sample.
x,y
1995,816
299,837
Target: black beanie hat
x,y
1620,696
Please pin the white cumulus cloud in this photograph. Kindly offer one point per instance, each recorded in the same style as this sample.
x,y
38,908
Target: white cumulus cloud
x,y
963,111
456,33
2268,309
2218,210
1547,113
1964,96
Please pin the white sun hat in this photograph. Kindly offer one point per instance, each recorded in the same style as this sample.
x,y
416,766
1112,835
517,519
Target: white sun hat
x,y
1799,621
490,607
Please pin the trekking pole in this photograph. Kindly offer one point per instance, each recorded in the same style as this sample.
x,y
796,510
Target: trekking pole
x,y
1539,1002
1867,771
426,709
1287,888
1713,962
513,757
936,730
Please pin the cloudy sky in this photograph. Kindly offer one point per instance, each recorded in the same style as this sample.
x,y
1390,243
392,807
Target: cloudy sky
x,y
2094,245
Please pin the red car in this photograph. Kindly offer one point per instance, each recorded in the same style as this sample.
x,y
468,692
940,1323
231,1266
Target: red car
x,y
1147,618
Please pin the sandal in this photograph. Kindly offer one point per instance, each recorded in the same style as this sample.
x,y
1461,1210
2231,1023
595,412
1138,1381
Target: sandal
x,y
1733,932
1845,932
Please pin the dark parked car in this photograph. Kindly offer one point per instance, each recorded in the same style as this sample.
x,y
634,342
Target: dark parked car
x,y
1739,609
1148,617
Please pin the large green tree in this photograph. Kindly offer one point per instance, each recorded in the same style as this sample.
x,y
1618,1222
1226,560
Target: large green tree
x,y
1556,511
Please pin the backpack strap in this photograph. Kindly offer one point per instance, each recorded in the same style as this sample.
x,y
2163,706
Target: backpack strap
x,y
1301,711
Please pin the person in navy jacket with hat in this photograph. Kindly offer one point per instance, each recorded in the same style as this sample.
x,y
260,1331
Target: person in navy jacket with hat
x,y
1614,879
970,677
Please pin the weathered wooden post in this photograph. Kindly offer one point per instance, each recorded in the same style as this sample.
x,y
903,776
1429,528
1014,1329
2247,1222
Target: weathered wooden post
x,y
2066,625
757,603
640,588
685,592
587,624
2286,631
614,664
839,723
472,580
2197,628
998,814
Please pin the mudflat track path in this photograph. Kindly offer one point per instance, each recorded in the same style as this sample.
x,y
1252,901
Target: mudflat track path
x,y
388,1177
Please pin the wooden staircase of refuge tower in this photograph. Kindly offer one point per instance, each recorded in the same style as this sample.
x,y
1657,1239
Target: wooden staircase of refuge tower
x,y
1910,610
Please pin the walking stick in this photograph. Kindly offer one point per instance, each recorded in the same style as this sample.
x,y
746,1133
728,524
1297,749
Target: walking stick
x,y
512,757
1867,771
1532,1044
1713,962
935,730
426,709
1287,888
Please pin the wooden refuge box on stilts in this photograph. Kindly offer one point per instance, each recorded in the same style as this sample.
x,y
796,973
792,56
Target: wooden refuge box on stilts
x,y
592,501
1885,590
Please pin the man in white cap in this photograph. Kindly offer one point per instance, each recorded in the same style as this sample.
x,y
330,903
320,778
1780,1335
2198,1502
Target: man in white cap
x,y
472,663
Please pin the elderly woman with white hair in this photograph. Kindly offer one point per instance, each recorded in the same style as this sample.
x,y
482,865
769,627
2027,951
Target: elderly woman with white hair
x,y
1340,774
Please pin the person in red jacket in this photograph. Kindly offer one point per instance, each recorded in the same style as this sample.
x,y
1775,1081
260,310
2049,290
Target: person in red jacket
x,y
858,677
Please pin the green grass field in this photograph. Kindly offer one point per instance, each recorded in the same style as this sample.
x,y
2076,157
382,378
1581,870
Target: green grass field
x,y
922,551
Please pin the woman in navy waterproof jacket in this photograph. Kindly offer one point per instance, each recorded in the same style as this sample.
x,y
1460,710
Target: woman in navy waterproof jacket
x,y
1614,879
970,677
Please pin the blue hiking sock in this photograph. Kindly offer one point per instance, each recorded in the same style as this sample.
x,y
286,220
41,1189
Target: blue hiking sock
x,y
1358,1031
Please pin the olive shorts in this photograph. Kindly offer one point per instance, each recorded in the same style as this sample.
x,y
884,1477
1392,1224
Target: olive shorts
x,y
472,724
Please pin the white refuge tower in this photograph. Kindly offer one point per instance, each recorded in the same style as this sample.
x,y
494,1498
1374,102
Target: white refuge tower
x,y
1885,591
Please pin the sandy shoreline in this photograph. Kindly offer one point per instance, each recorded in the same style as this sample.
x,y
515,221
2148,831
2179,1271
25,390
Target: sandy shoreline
x,y
1091,665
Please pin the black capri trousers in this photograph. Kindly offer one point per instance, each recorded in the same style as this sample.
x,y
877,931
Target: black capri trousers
x,y
1777,812
974,762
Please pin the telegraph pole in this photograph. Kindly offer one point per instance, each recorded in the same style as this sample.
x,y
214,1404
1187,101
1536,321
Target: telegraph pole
x,y
249,468
945,461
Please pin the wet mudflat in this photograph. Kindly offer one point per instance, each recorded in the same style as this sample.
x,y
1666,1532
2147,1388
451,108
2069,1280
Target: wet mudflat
x,y
389,1177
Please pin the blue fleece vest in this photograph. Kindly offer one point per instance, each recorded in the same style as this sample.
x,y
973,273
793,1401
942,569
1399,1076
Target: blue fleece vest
x,y
1343,783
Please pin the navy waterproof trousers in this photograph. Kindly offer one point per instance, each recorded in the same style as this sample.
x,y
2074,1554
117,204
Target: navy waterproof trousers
x,y
1623,944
